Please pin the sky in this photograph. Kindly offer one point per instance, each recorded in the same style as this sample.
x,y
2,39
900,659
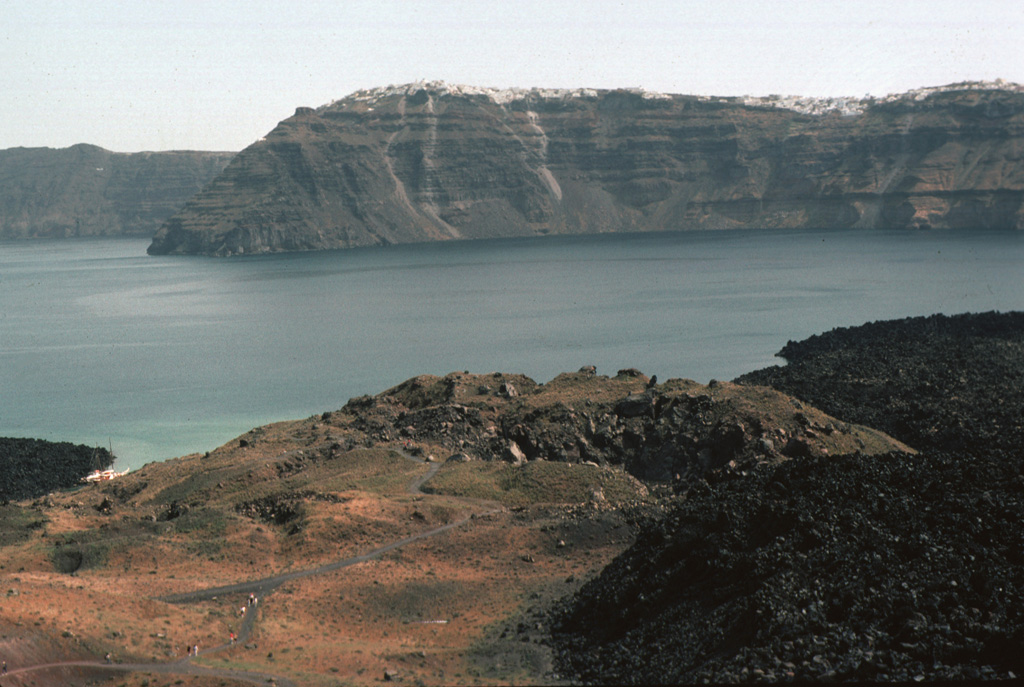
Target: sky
x,y
219,74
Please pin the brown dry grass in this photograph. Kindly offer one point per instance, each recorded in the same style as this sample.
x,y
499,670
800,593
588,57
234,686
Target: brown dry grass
x,y
343,627
422,610
81,572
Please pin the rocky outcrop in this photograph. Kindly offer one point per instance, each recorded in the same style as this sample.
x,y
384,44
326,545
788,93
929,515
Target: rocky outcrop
x,y
428,162
85,190
669,433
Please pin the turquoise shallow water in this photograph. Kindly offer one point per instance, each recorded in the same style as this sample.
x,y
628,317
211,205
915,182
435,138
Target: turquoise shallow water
x,y
162,356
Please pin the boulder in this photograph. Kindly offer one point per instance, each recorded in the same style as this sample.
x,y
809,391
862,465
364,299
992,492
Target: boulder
x,y
514,454
635,405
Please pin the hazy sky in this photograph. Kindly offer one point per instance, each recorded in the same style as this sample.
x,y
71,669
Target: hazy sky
x,y
216,75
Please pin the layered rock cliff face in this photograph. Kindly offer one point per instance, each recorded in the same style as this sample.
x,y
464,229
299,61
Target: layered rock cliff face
x,y
85,190
431,161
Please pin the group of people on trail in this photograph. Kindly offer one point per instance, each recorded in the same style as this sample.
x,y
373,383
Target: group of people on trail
x,y
252,602
194,650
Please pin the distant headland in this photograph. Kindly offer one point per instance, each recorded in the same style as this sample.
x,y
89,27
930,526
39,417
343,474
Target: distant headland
x,y
86,190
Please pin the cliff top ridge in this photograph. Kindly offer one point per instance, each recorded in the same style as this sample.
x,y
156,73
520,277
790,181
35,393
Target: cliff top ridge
x,y
815,105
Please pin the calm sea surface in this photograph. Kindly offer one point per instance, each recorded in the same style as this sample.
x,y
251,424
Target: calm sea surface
x,y
160,356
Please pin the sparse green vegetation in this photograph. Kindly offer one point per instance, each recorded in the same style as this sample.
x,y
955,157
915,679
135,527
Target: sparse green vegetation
x,y
73,556
17,524
380,471
210,522
534,483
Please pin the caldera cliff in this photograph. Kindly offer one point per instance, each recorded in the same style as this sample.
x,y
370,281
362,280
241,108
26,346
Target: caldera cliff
x,y
85,190
431,161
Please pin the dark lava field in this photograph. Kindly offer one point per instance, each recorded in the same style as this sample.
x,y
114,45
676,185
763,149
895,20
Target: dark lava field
x,y
893,568
33,467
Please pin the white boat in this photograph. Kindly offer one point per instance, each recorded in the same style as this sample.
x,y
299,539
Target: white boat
x,y
103,475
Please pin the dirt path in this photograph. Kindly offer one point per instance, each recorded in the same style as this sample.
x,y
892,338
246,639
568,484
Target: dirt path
x,y
258,588
266,585
183,666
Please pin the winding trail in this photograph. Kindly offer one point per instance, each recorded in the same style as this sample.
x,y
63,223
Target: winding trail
x,y
182,666
259,588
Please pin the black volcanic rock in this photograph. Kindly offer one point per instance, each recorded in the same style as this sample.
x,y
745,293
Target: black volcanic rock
x,y
33,467
890,568
943,382
852,568
427,162
85,190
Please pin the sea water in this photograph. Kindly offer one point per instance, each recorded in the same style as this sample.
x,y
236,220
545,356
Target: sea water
x,y
162,356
